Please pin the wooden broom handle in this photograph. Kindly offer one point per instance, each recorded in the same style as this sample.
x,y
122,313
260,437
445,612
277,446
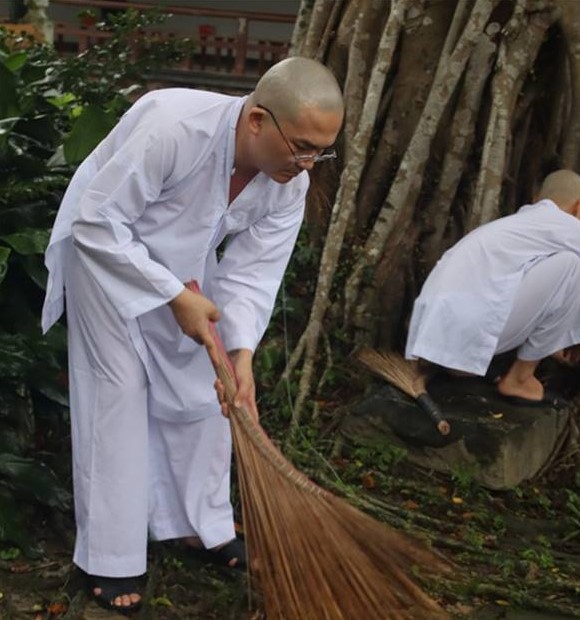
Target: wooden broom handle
x,y
227,375
225,370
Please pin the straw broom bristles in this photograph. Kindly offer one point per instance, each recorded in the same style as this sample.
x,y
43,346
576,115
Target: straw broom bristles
x,y
313,556
405,375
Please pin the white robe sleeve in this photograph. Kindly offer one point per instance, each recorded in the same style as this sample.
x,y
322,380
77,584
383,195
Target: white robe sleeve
x,y
249,275
102,234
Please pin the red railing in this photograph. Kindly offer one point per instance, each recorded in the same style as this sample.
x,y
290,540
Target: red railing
x,y
236,54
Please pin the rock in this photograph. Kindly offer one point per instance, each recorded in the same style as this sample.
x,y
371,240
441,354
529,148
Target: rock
x,y
501,445
494,612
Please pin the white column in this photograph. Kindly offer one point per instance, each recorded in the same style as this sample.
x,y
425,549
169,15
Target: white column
x,y
37,16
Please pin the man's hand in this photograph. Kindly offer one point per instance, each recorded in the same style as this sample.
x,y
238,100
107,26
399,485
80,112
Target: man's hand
x,y
246,394
193,312
572,354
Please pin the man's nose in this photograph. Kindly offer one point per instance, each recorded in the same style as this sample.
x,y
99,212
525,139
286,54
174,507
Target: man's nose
x,y
305,164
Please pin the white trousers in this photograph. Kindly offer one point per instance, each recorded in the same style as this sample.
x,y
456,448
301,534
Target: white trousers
x,y
545,317
132,472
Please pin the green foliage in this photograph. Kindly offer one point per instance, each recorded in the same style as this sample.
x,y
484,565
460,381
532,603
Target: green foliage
x,y
464,479
53,112
540,557
573,511
288,318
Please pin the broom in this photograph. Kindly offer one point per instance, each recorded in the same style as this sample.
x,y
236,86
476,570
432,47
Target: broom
x,y
406,376
313,556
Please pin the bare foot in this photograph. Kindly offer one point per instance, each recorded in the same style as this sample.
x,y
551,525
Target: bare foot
x,y
520,381
121,601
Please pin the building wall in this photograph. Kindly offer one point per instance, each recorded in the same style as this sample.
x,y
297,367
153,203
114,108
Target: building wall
x,y
189,26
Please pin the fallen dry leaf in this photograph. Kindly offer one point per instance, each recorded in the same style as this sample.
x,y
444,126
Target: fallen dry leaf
x,y
368,481
57,609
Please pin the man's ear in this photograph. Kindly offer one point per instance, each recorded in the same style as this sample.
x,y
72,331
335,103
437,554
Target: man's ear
x,y
255,120
574,209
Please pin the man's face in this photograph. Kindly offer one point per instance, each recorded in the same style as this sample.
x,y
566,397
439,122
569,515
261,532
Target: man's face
x,y
283,148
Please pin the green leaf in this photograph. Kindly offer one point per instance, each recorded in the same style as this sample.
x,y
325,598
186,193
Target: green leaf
x,y
6,124
35,270
51,391
29,241
9,554
8,93
33,478
15,61
60,101
4,254
89,129
16,408
12,520
11,439
15,357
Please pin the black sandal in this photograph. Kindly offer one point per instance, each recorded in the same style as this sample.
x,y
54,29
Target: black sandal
x,y
233,550
550,401
111,588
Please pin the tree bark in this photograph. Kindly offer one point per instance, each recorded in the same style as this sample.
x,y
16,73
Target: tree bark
x,y
452,118
301,26
420,50
570,22
344,204
462,137
329,30
517,57
397,210
319,17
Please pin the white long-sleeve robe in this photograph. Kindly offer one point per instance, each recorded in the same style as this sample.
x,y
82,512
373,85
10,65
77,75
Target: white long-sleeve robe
x,y
466,300
147,211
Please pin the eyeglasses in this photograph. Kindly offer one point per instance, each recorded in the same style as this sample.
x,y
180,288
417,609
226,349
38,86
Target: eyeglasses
x,y
325,155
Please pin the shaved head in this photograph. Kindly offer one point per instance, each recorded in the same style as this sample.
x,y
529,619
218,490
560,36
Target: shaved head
x,y
297,83
562,187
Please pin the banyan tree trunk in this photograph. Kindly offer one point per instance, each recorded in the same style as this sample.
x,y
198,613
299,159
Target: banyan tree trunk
x,y
455,111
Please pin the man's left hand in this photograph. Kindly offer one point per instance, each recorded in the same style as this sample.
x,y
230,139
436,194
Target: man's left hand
x,y
246,394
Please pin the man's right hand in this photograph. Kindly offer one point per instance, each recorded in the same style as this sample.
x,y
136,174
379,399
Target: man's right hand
x,y
193,312
572,354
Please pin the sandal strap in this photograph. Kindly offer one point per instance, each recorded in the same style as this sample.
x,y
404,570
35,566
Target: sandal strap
x,y
235,549
112,587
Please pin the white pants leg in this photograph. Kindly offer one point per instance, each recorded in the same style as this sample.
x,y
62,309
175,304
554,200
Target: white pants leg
x,y
108,398
190,486
126,463
545,317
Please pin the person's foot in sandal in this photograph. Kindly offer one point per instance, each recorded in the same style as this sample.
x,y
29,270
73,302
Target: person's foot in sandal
x,y
229,555
521,387
120,594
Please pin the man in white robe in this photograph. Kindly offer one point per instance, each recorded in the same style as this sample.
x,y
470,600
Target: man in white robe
x,y
144,213
510,284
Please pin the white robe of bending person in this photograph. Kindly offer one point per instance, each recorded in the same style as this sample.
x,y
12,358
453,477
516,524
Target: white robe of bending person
x,y
144,213
464,305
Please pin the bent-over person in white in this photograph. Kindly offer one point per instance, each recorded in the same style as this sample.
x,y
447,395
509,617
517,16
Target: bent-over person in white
x,y
145,212
513,283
